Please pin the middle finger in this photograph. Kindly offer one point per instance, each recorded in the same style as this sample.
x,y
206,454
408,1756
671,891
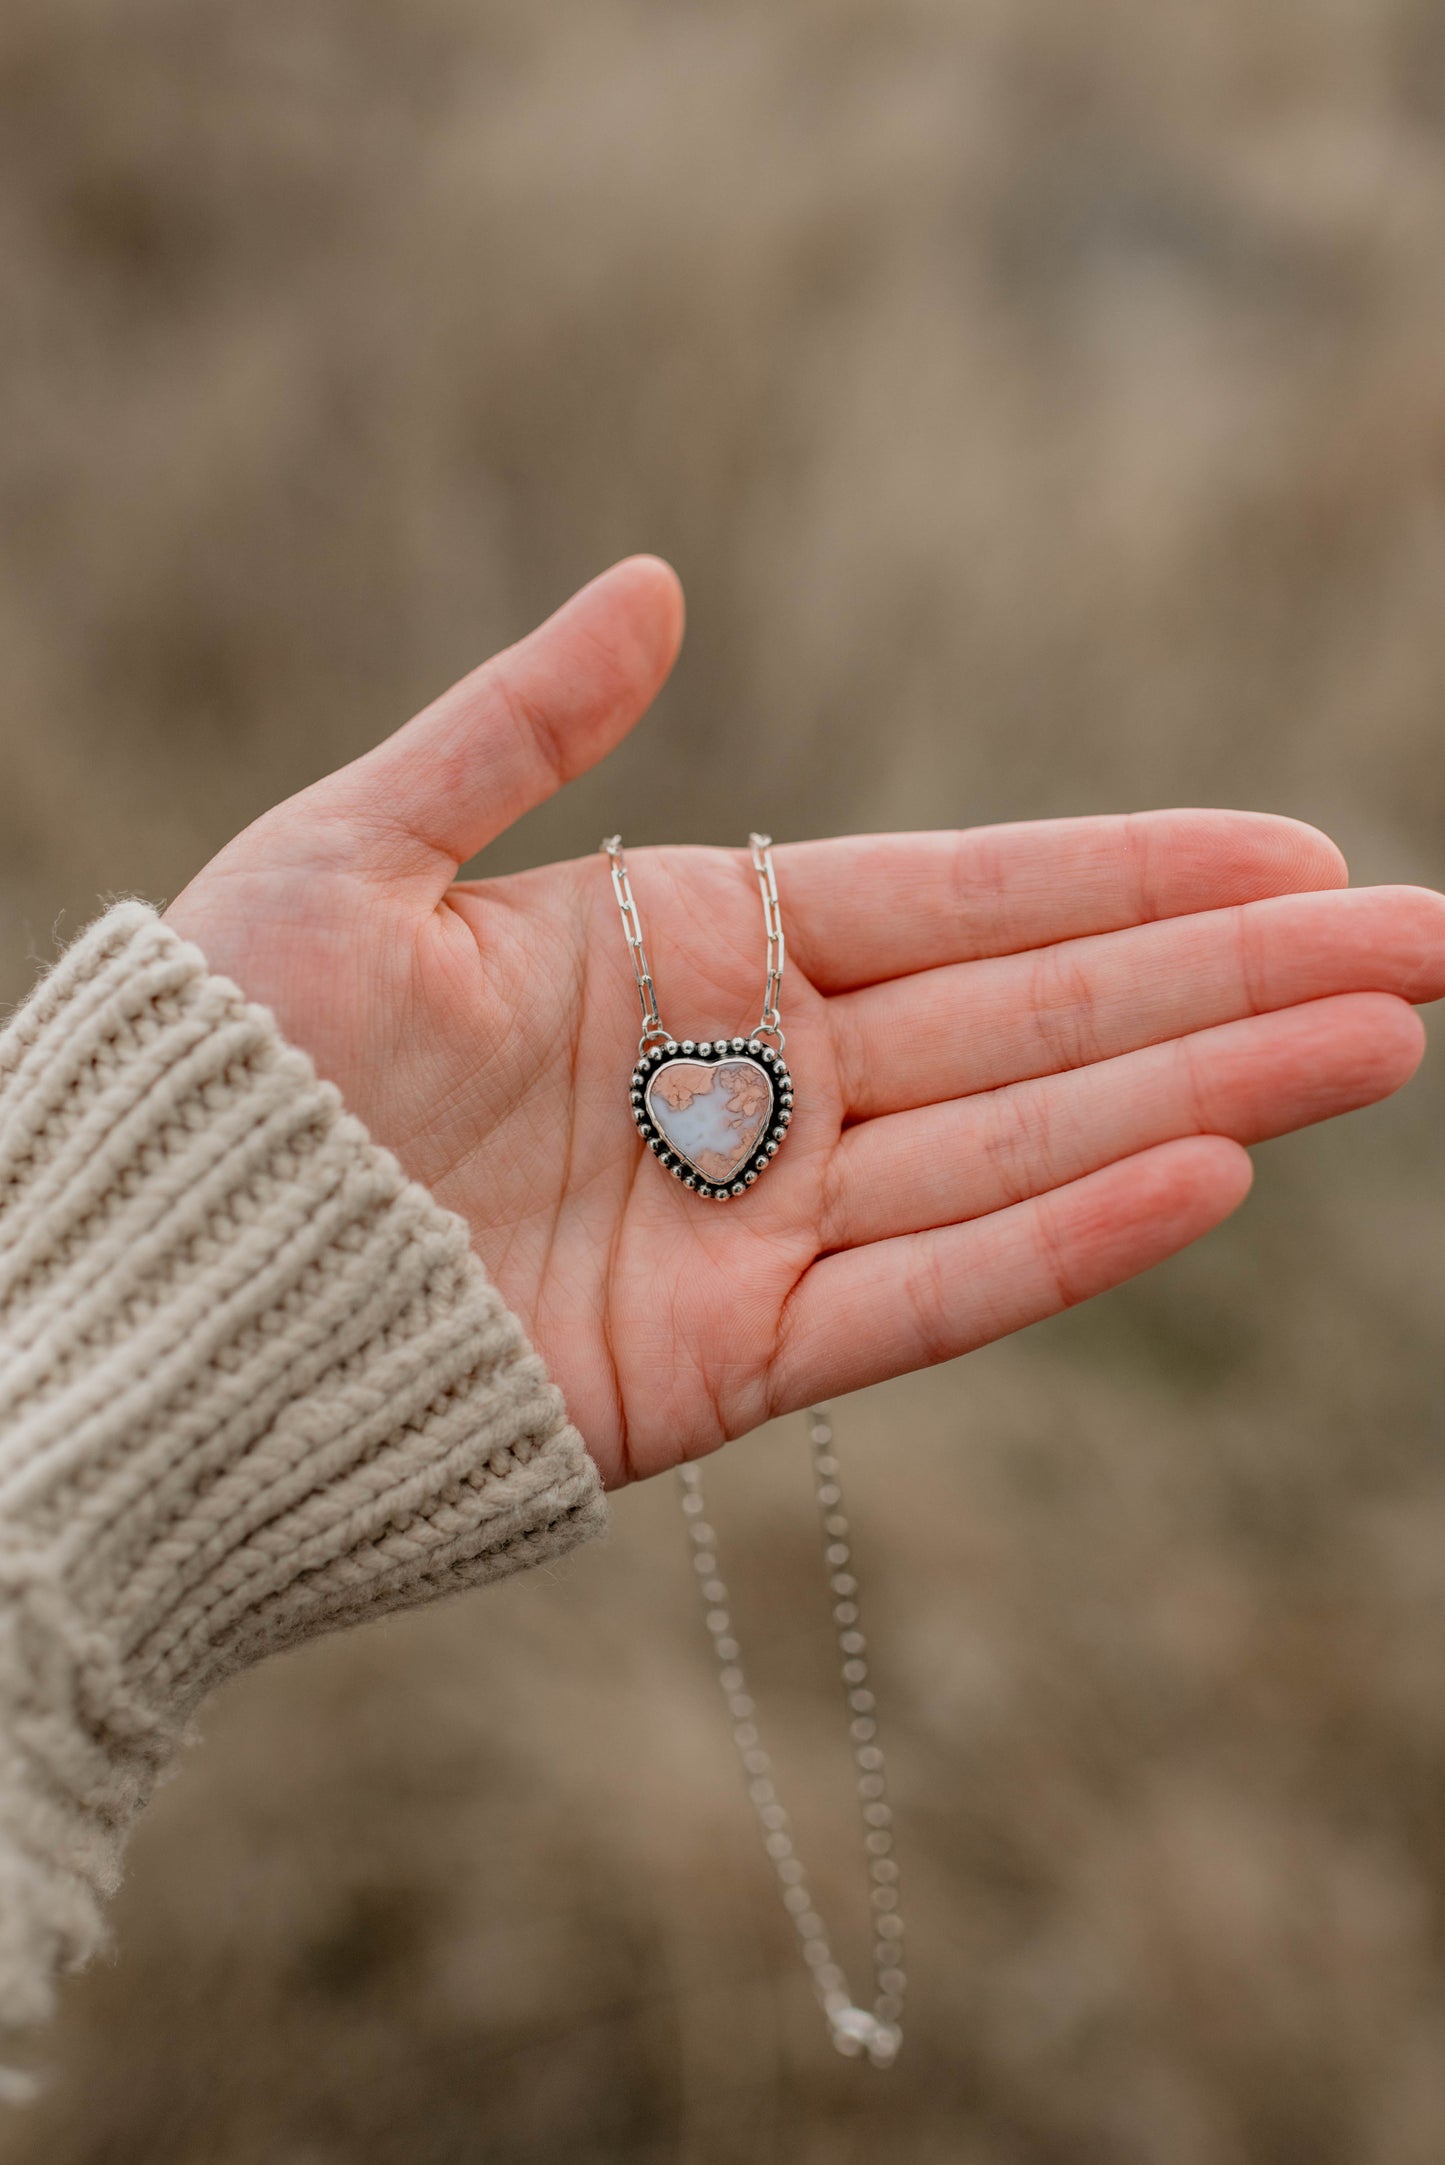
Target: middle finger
x,y
979,1025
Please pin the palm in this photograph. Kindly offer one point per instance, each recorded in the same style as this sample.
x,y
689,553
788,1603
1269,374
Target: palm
x,y
1025,1058
660,1315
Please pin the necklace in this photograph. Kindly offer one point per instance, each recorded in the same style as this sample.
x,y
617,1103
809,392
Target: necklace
x,y
668,1081
854,2030
713,1114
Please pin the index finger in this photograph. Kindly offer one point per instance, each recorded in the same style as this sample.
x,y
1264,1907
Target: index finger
x,y
865,908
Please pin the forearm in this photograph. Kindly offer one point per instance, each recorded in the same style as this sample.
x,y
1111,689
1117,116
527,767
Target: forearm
x,y
253,1385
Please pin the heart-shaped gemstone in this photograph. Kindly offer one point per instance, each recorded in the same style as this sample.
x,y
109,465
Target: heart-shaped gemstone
x,y
713,1115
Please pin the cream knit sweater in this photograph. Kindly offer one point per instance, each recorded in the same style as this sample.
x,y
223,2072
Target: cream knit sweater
x,y
253,1385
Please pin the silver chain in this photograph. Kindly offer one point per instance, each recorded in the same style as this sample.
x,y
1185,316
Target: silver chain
x,y
855,2030
632,926
761,846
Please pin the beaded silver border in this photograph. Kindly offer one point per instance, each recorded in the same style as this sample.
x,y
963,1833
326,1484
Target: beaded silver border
x,y
712,1051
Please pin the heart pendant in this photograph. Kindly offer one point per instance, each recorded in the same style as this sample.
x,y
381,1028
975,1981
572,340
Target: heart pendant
x,y
714,1115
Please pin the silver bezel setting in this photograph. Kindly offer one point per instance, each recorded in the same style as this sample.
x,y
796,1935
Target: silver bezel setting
x,y
713,1054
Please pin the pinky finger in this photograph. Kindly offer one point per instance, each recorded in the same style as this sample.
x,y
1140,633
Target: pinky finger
x,y
864,1314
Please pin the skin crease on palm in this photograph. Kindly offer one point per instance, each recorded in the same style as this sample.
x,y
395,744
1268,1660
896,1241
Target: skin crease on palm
x,y
1027,1057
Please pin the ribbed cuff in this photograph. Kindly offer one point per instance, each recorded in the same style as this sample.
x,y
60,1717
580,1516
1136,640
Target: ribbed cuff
x,y
253,1385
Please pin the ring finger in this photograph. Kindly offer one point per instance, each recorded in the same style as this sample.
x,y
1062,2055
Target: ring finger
x,y
942,1164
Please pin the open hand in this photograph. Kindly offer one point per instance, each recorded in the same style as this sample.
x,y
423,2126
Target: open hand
x,y
1026,1057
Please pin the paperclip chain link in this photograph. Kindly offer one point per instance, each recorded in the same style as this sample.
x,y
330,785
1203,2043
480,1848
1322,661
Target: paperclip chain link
x,y
761,846
652,1024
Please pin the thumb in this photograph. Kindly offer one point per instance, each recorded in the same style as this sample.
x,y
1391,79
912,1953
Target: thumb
x,y
510,734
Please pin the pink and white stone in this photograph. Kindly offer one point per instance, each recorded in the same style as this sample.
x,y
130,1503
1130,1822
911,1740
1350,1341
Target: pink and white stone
x,y
713,1117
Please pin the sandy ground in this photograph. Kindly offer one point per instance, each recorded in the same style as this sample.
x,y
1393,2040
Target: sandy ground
x,y
1045,406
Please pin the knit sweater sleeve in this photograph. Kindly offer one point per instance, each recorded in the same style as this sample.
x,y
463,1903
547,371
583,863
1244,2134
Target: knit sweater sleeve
x,y
253,1385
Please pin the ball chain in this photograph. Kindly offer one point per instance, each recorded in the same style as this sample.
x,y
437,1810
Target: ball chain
x,y
854,2030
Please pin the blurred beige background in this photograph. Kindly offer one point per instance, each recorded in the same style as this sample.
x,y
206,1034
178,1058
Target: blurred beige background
x,y
1045,406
